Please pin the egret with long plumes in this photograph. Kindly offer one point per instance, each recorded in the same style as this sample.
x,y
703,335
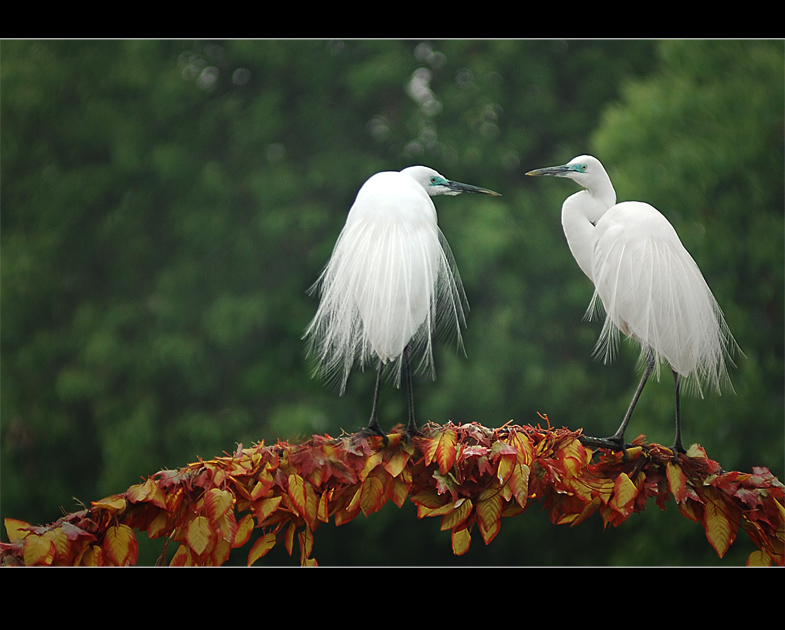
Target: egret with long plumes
x,y
648,285
390,286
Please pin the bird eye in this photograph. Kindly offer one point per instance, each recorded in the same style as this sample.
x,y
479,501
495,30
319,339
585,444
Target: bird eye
x,y
583,167
433,179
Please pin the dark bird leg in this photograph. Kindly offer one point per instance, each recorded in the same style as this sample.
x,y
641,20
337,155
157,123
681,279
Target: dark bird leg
x,y
616,441
678,447
411,427
373,427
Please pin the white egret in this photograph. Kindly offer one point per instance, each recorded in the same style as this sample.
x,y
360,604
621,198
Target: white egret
x,y
390,285
648,285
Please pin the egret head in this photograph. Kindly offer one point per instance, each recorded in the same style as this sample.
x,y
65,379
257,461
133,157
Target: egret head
x,y
585,170
437,184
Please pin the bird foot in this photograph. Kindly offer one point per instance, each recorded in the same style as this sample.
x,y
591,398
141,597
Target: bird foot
x,y
677,448
614,443
411,432
374,430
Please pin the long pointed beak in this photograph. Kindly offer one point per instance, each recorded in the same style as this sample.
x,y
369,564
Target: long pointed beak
x,y
458,187
556,171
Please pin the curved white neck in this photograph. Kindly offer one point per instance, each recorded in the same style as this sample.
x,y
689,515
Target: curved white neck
x,y
579,216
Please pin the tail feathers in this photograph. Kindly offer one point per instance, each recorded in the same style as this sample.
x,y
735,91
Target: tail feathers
x,y
657,296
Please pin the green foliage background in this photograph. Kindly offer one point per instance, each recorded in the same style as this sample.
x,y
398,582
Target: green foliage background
x,y
166,205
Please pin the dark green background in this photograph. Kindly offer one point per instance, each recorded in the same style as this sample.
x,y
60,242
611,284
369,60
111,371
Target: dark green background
x,y
166,205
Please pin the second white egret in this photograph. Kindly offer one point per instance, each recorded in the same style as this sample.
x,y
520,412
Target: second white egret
x,y
390,285
648,285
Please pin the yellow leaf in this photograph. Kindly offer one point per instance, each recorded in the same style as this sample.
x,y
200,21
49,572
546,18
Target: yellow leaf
x,y
523,445
718,527
461,541
220,552
90,557
288,538
323,506
677,481
519,483
149,492
38,550
120,546
60,540
297,493
396,461
264,508
16,529
244,529
505,467
372,462
759,558
442,449
489,512
400,491
306,545
200,535
159,526
575,457
182,557
261,547
218,502
372,493
114,503
460,512
624,494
